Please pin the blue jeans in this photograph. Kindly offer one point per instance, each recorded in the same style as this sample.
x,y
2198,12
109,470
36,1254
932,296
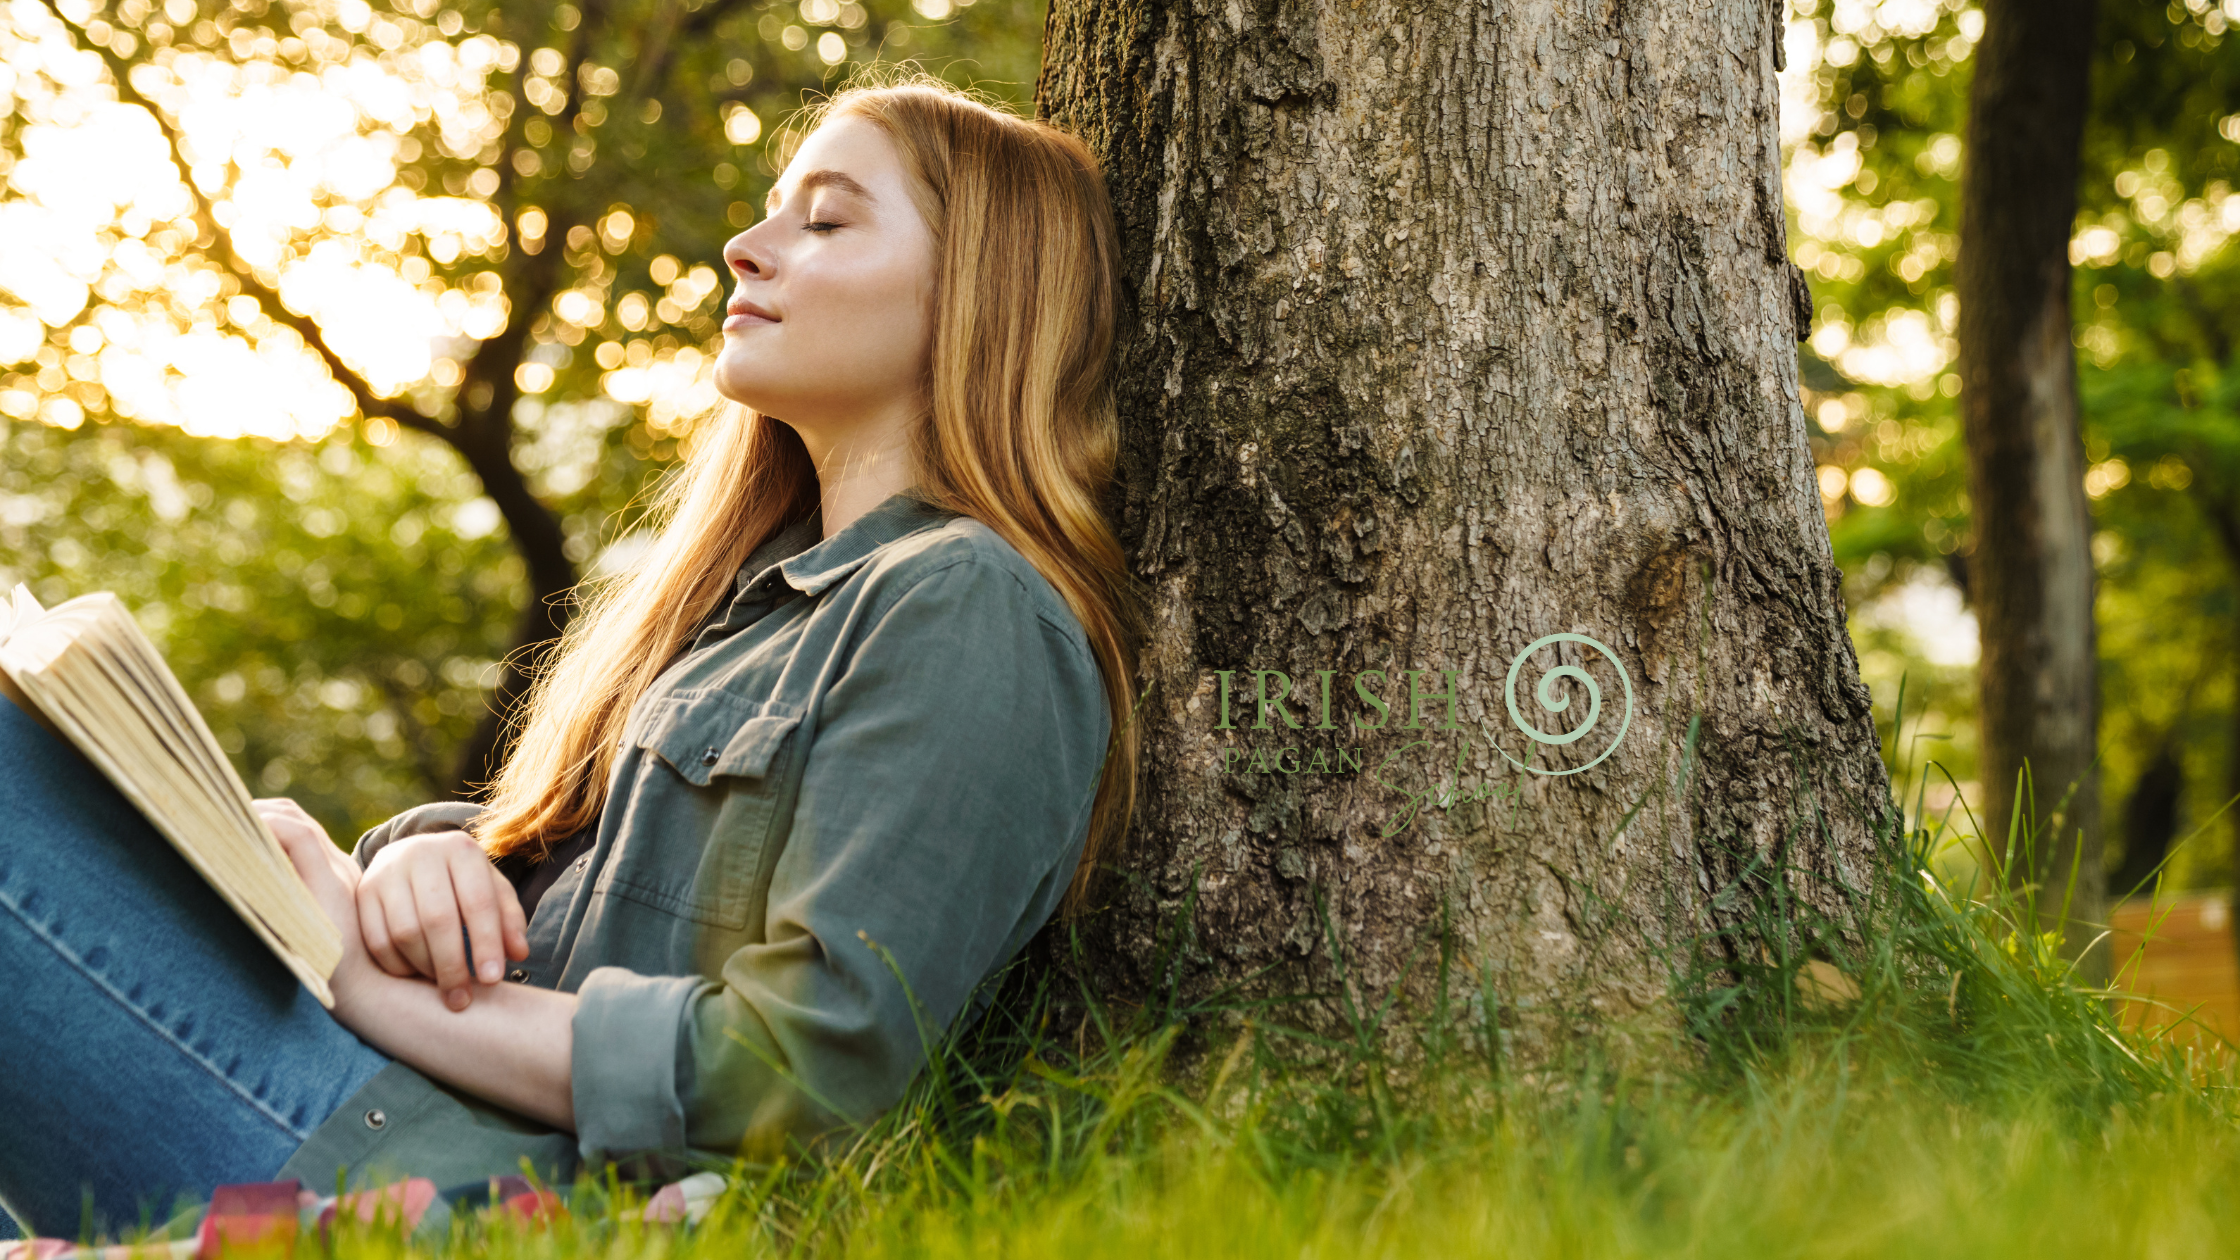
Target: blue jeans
x,y
151,1048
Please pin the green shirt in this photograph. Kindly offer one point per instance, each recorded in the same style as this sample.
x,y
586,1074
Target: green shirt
x,y
892,735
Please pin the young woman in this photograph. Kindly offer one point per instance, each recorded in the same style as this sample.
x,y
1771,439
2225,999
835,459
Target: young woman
x,y
840,745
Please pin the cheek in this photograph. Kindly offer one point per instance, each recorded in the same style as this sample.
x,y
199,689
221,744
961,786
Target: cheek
x,y
887,285
879,307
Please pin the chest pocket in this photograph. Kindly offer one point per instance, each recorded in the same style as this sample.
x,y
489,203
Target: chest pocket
x,y
718,773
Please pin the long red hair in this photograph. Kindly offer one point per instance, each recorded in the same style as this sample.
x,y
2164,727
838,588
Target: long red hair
x,y
1019,434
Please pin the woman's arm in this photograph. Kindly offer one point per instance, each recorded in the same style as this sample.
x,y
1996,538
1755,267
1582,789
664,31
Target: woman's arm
x,y
514,1046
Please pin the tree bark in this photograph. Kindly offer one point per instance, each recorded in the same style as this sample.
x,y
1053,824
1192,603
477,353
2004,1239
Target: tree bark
x,y
1448,329
2032,564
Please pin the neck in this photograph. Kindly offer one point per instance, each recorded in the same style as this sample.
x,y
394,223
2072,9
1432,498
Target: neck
x,y
858,469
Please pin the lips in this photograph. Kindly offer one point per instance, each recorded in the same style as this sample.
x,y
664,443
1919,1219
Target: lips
x,y
745,314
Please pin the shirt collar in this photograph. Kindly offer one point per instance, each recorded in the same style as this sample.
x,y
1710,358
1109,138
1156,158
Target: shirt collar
x,y
825,563
790,541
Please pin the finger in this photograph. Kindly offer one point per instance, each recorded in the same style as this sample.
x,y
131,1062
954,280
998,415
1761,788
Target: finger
x,y
286,836
302,853
344,866
438,905
516,920
310,825
402,913
294,828
471,877
280,807
373,929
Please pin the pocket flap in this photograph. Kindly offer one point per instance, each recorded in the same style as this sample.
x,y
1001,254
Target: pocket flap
x,y
706,733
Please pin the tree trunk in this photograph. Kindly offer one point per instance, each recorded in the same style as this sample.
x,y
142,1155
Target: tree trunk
x,y
483,435
2150,822
2223,511
1448,329
2032,564
551,577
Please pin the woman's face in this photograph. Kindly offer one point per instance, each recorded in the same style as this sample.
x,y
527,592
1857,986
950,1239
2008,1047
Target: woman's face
x,y
832,321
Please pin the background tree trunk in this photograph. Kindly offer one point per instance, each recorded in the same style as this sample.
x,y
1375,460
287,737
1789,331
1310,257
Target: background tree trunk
x,y
1453,327
2223,512
545,611
2032,566
482,432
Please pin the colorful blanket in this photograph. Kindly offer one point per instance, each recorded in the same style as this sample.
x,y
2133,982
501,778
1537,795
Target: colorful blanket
x,y
282,1211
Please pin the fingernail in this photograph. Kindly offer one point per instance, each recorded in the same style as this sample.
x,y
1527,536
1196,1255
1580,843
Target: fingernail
x,y
456,999
490,972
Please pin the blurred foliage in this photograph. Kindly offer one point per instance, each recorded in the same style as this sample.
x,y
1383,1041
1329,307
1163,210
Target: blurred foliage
x,y
500,259
335,593
333,609
1874,170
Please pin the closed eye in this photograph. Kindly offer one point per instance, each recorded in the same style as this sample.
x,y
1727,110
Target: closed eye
x,y
818,225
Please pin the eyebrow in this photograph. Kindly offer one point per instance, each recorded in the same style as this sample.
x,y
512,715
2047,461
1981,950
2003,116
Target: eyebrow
x,y
822,179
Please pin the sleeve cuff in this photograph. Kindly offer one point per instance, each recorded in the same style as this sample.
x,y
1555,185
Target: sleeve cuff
x,y
623,1070
417,821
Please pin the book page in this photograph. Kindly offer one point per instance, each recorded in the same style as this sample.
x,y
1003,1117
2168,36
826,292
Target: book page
x,y
19,609
162,801
156,693
177,796
90,669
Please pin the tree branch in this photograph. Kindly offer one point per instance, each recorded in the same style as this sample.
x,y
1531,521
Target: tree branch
x,y
536,277
484,436
267,298
659,50
415,735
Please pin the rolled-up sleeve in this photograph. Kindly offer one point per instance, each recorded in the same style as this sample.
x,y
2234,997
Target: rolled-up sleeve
x,y
420,820
942,805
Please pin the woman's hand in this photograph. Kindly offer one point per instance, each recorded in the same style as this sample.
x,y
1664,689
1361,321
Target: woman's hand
x,y
417,895
516,1049
333,880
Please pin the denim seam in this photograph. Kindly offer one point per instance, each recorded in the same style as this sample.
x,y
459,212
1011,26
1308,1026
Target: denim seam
x,y
77,964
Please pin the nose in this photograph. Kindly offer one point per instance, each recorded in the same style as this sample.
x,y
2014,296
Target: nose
x,y
745,257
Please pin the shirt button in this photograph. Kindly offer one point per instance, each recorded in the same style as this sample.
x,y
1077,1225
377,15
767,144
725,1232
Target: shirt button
x,y
709,757
518,975
582,862
374,1119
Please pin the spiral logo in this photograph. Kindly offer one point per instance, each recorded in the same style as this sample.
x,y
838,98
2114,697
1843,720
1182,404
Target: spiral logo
x,y
1545,694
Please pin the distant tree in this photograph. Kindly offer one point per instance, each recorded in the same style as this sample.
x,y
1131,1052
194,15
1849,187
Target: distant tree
x,y
1878,108
2162,391
2031,570
331,606
2150,823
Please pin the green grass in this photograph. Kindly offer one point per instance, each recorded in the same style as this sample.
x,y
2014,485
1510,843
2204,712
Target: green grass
x,y
1960,1096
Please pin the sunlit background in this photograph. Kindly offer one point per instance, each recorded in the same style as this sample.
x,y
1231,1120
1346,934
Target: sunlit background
x,y
481,217
275,273
305,147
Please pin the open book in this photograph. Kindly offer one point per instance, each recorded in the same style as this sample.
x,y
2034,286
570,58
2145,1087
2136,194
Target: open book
x,y
86,672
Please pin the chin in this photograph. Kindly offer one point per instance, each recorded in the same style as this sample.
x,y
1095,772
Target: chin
x,y
740,386
756,401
